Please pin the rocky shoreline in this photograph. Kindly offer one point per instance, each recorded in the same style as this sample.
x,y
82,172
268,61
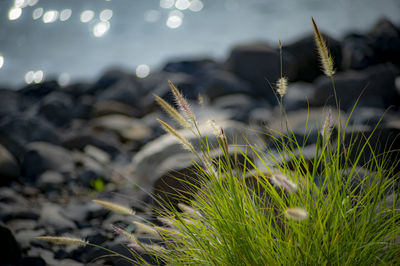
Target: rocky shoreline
x,y
61,147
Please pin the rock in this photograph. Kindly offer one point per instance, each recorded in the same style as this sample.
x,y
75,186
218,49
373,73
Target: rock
x,y
32,261
299,119
50,180
26,236
111,78
42,156
97,154
9,168
128,129
191,67
16,131
104,108
80,139
239,105
384,39
357,54
10,252
147,163
221,83
52,219
10,102
298,96
58,108
258,64
38,91
306,59
369,116
375,86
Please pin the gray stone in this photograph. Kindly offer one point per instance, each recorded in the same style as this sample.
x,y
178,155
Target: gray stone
x,y
51,218
42,156
50,180
9,168
10,252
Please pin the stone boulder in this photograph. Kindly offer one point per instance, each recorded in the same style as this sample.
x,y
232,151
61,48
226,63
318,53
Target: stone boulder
x,y
9,168
259,64
42,156
153,160
58,108
375,86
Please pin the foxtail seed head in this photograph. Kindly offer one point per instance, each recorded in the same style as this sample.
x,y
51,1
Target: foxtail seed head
x,y
281,86
62,240
296,214
182,103
172,112
186,144
128,236
115,207
323,51
281,180
147,229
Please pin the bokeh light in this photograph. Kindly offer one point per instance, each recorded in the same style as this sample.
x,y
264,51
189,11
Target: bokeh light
x,y
175,19
32,2
106,15
87,16
38,76
142,71
14,13
50,16
1,61
29,77
196,5
167,3
152,15
37,13
101,28
20,3
65,14
64,79
182,4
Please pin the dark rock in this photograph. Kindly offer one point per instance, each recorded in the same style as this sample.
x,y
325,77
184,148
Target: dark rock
x,y
51,217
76,90
16,131
357,54
222,83
305,124
191,67
32,261
9,168
128,129
38,91
148,163
103,108
79,140
298,96
306,60
384,39
239,105
42,156
50,180
375,86
367,116
58,108
10,253
112,77
10,102
259,64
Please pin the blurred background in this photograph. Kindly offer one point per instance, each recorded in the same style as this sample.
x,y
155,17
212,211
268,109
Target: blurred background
x,y
69,40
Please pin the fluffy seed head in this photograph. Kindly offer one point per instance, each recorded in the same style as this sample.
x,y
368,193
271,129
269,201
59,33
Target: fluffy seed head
x,y
189,210
115,207
328,125
128,236
186,144
172,112
146,229
182,103
323,51
296,214
281,180
63,240
281,86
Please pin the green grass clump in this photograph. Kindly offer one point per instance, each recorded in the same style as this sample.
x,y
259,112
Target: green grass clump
x,y
277,206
